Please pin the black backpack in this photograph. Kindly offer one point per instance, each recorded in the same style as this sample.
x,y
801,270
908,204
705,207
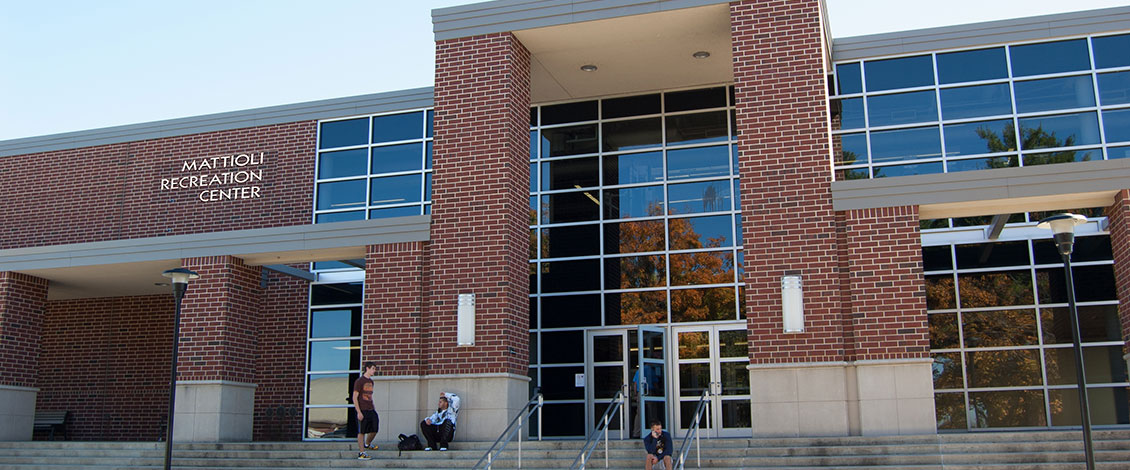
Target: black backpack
x,y
408,443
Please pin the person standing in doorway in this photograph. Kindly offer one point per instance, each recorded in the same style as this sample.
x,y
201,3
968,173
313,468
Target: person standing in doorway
x,y
368,423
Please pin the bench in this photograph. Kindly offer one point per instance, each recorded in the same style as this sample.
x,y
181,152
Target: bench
x,y
51,421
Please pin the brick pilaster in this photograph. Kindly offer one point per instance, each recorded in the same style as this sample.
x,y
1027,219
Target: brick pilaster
x,y
480,204
219,316
1119,218
786,175
22,300
394,307
888,302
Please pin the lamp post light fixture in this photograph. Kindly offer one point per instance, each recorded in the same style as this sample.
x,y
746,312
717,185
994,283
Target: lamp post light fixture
x,y
179,278
1063,228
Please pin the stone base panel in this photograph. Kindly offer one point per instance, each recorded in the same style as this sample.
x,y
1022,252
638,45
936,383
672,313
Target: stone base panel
x,y
17,412
487,403
868,398
213,411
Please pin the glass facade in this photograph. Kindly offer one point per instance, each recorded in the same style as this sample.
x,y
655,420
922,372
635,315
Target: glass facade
x,y
1001,339
996,107
333,360
374,167
634,220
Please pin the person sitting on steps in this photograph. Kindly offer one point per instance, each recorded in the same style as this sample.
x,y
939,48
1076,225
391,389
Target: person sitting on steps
x,y
440,426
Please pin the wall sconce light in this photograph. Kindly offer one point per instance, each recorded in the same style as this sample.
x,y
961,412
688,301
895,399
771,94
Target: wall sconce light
x,y
465,330
792,304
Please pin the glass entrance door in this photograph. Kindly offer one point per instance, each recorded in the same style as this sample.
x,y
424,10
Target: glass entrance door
x,y
714,357
607,369
650,379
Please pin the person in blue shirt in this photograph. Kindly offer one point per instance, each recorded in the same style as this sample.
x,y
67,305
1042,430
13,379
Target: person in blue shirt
x,y
658,445
440,426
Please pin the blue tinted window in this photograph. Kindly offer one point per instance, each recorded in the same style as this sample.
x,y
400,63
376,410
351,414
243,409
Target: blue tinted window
x,y
333,355
533,144
954,166
980,137
701,232
699,162
394,212
633,168
904,72
427,191
1054,93
569,207
1111,51
697,128
908,170
1117,152
341,164
333,323
1114,88
970,66
431,117
1063,156
707,196
343,133
569,174
634,134
628,203
341,194
902,108
339,217
853,149
572,140
1059,131
398,127
976,101
396,189
533,177
905,144
402,157
847,75
428,155
851,113
1117,125
1050,57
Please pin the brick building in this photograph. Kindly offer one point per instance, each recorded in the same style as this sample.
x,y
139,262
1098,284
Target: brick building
x,y
622,189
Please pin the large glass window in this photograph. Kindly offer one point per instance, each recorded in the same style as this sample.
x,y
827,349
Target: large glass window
x,y
1006,106
1000,332
333,360
637,224
374,167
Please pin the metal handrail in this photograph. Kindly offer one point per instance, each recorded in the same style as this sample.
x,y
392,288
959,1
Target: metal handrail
x,y
692,431
522,416
601,430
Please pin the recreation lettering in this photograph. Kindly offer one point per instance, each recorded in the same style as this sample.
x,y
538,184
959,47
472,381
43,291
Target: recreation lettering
x,y
224,170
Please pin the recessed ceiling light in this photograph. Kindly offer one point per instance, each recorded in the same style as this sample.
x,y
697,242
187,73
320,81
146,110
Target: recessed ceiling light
x,y
588,68
700,55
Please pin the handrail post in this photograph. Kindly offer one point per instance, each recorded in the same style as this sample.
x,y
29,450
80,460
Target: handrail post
x,y
519,444
540,399
606,440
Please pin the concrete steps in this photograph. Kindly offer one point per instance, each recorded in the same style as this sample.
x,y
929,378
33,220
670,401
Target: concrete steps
x,y
1038,450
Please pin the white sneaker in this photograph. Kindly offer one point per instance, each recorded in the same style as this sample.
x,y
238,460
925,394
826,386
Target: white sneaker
x,y
427,448
442,449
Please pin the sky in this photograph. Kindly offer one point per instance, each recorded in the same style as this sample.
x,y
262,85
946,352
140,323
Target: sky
x,y
71,65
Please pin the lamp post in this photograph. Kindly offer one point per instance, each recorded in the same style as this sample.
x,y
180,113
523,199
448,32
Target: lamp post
x,y
179,278
1063,228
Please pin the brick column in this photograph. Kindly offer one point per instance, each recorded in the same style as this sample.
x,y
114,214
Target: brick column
x,y
1119,218
215,370
392,332
22,299
480,233
790,229
891,334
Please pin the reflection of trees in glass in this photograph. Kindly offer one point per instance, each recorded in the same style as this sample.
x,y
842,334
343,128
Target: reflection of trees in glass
x,y
999,328
995,289
1008,409
940,292
1030,138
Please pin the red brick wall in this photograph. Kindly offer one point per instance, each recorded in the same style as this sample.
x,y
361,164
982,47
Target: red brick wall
x,y
280,358
22,300
783,144
394,307
888,297
219,317
107,361
113,192
1119,215
480,211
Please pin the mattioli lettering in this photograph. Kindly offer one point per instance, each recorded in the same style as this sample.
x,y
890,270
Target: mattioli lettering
x,y
221,171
